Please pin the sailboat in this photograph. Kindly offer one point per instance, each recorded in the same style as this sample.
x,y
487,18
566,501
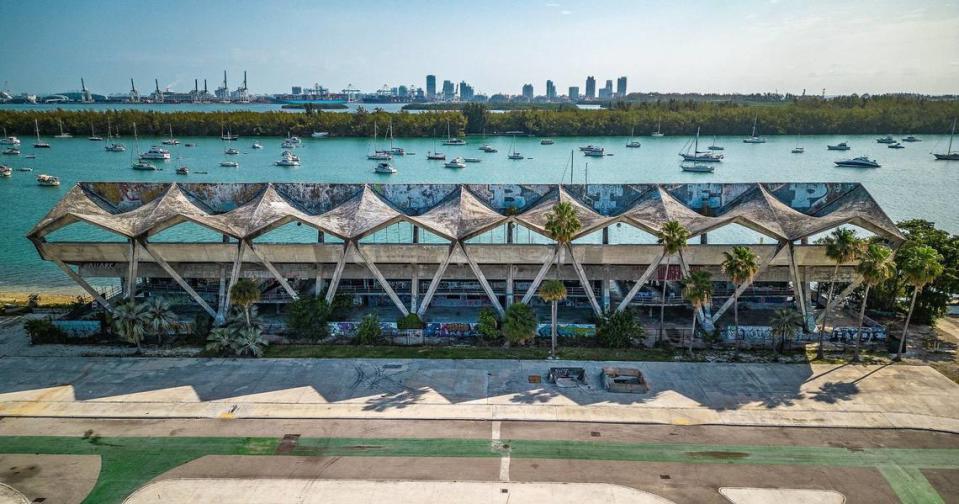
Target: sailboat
x,y
487,147
394,150
754,139
694,154
798,149
433,155
228,137
633,143
714,146
113,147
139,164
658,132
39,144
171,140
93,135
62,134
949,155
377,155
450,140
513,153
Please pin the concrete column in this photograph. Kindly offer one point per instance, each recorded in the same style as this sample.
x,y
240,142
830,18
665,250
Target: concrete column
x,y
510,227
320,237
704,239
415,286
318,287
510,271
606,235
605,288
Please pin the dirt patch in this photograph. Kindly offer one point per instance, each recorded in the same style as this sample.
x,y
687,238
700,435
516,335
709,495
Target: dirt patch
x,y
718,455
946,482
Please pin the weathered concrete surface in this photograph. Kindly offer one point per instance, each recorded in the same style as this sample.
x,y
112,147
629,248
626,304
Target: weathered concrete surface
x,y
743,495
680,393
241,491
64,479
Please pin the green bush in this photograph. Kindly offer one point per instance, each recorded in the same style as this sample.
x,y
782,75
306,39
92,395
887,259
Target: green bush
x,y
202,325
308,317
409,321
43,332
519,324
340,307
617,329
369,330
488,325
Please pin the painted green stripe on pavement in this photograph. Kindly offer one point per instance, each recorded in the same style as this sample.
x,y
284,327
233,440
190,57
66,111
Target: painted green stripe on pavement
x,y
910,485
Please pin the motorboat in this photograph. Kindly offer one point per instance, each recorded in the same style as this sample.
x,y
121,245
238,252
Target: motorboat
x,y
40,144
142,165
949,155
295,140
384,168
24,169
488,148
6,171
841,146
697,167
320,134
30,156
858,162
595,153
896,145
886,140
288,159
62,134
256,145
9,140
584,148
471,160
697,156
115,147
397,151
48,180
435,156
288,145
911,139
754,138
189,145
229,164
231,151
379,156
183,170
456,162
547,141
798,150
11,151
157,153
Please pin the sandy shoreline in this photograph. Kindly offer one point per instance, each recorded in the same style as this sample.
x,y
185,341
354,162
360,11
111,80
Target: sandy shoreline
x,y
52,297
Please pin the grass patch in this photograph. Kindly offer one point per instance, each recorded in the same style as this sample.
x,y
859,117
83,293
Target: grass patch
x,y
464,352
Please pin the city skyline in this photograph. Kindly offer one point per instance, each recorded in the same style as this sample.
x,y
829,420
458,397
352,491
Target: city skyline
x,y
748,47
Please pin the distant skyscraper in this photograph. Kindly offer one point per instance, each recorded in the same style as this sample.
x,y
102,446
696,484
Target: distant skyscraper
x,y
403,91
528,91
297,90
431,86
550,90
466,91
621,87
449,92
607,91
574,93
590,88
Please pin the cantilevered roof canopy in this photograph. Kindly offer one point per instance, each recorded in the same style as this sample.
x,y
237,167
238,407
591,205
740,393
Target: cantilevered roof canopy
x,y
784,211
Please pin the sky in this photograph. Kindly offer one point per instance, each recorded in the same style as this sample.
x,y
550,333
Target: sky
x,y
729,46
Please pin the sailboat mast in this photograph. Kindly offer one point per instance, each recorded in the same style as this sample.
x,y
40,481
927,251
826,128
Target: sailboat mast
x,y
951,135
696,149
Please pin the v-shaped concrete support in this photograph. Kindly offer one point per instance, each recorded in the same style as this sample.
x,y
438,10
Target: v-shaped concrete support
x,y
540,276
584,281
742,288
83,283
273,271
482,280
641,282
382,280
338,272
234,276
132,269
857,281
435,282
177,278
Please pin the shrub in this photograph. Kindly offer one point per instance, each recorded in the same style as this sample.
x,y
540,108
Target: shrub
x,y
44,332
488,325
308,318
519,324
340,307
617,329
249,341
202,325
409,321
369,330
220,340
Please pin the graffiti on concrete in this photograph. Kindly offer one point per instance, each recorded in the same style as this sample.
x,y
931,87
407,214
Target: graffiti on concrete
x,y
757,334
78,328
873,334
567,330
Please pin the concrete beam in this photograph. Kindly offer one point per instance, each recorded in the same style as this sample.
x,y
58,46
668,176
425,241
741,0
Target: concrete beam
x,y
276,274
742,288
382,280
178,279
641,281
86,286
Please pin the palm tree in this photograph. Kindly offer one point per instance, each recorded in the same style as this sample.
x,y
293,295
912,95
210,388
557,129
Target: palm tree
x,y
740,265
920,266
249,341
159,317
784,322
673,237
561,224
697,289
245,293
552,291
221,339
129,319
876,266
842,246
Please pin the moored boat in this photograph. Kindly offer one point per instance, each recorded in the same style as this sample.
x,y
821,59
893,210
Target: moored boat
x,y
949,155
697,167
695,155
841,146
858,162
886,140
754,138
5,171
48,180
456,162
384,168
229,164
157,153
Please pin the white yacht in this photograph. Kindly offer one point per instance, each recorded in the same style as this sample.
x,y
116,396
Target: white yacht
x,y
156,153
456,162
320,134
911,139
256,145
435,156
633,143
798,150
513,153
229,164
488,148
9,140
841,146
715,146
288,159
858,162
115,147
48,180
12,151
886,140
141,165
896,145
754,138
229,136
384,168
6,171
288,144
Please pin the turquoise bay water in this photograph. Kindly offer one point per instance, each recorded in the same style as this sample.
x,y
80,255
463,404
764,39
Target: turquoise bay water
x,y
910,184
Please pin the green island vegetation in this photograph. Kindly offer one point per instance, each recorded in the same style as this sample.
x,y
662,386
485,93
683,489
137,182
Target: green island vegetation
x,y
892,114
